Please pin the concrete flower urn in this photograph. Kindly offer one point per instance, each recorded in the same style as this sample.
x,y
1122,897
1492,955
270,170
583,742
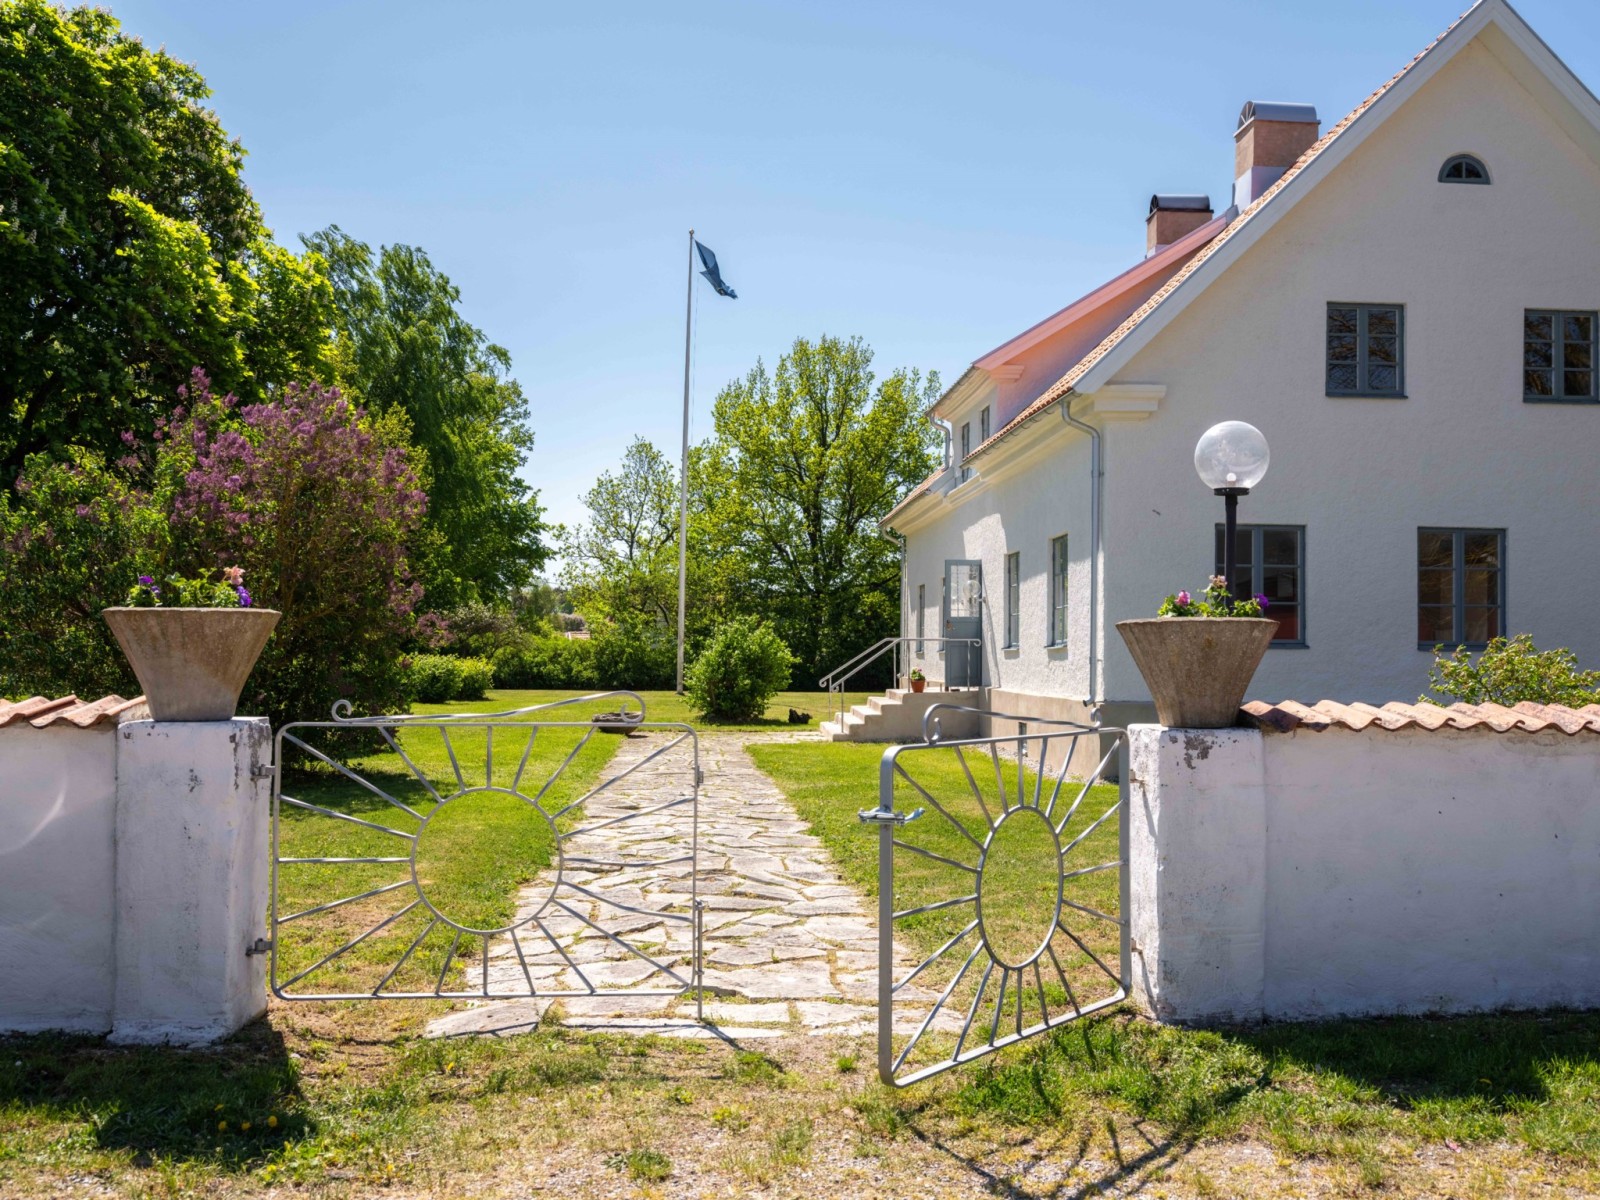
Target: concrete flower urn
x,y
1198,668
192,662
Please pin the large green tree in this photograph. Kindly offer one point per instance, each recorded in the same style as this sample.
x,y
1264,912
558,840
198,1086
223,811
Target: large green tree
x,y
802,464
402,343
130,249
623,562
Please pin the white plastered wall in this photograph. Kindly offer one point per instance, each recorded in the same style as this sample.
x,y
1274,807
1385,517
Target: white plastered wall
x,y
1022,511
1462,450
1336,873
58,789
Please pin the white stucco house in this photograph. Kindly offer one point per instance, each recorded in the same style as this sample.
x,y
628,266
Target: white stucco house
x,y
1404,303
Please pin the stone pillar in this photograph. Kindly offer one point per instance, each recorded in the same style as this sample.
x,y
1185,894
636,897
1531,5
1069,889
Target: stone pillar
x,y
1197,872
192,872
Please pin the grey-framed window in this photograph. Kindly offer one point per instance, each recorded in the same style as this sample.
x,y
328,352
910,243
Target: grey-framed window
x,y
963,472
922,617
1058,590
1013,599
1366,350
983,425
1463,168
1558,351
1461,587
1270,561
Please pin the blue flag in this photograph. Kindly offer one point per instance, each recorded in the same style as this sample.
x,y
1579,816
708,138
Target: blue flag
x,y
714,276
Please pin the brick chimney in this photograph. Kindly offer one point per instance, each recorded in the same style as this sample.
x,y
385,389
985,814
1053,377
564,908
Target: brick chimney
x,y
1270,139
1173,217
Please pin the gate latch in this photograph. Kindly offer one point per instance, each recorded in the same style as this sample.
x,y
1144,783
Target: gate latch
x,y
262,770
876,816
259,946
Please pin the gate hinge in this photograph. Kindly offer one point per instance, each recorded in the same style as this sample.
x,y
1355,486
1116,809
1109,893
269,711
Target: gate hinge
x,y
259,946
262,770
876,816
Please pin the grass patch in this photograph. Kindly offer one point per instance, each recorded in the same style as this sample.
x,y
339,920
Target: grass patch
x,y
471,859
647,1166
667,706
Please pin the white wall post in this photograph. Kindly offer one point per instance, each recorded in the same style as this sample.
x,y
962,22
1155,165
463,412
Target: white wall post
x,y
192,875
1197,872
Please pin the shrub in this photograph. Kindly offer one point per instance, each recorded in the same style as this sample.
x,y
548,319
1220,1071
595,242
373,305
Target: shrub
x,y
477,677
634,653
73,536
435,678
1510,672
546,662
744,666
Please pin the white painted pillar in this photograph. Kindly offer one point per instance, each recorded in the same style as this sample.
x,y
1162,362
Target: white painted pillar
x,y
193,871
1197,872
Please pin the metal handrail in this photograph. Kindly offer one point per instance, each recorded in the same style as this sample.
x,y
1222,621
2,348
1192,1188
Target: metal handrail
x,y
835,679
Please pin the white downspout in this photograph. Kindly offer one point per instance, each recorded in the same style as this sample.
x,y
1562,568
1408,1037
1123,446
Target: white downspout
x,y
1096,484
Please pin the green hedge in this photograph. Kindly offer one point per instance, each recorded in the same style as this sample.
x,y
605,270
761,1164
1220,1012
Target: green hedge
x,y
437,678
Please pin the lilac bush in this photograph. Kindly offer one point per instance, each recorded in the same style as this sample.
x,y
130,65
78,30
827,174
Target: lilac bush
x,y
315,502
320,504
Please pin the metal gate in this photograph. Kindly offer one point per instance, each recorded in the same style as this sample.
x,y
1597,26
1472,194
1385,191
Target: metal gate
x,y
453,857
1016,854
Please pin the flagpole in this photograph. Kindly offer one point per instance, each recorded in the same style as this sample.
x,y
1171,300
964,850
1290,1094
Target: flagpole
x,y
683,470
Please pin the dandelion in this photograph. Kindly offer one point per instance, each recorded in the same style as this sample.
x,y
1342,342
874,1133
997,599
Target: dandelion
x,y
222,1127
272,1121
218,1108
244,1127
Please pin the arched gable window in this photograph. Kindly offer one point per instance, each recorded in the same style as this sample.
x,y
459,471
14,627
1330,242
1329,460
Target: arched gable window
x,y
1463,168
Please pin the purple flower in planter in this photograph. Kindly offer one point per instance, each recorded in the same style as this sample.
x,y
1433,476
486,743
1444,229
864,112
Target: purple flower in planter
x,y
1262,600
244,597
1183,599
146,581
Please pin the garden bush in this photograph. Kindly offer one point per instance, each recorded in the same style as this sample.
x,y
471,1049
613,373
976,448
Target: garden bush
x,y
744,666
477,677
1510,672
634,653
546,662
435,678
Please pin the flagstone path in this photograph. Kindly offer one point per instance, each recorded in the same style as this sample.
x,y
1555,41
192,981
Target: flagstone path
x,y
790,948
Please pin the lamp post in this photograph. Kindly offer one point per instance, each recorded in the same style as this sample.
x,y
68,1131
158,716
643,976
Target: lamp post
x,y
1231,458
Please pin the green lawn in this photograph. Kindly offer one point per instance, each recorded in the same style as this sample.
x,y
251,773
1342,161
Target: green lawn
x,y
666,706
470,861
830,783
1353,1092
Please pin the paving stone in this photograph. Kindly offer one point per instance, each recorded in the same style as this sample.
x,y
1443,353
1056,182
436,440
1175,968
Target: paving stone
x,y
780,924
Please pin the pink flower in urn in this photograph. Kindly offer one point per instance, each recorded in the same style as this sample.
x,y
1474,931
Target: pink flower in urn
x,y
233,576
1183,598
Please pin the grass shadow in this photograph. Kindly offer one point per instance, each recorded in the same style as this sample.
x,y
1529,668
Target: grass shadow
x,y
231,1107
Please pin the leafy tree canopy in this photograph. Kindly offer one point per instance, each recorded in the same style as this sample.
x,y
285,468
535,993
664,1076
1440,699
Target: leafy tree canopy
x,y
624,561
130,248
403,344
802,464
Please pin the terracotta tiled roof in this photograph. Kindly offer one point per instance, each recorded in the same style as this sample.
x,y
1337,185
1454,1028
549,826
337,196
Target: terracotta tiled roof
x,y
1287,716
40,712
1066,383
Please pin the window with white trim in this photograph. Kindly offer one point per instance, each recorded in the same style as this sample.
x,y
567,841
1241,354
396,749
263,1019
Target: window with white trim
x,y
922,616
963,472
983,425
1058,590
1013,599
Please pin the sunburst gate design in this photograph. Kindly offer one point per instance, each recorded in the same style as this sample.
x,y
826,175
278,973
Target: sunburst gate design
x,y
566,940
1032,948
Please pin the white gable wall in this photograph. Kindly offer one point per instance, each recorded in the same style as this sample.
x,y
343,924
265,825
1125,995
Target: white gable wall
x,y
1361,475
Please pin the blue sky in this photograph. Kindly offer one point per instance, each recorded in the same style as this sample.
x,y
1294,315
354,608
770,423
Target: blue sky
x,y
934,177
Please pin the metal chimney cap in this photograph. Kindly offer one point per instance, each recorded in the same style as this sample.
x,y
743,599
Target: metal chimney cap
x,y
1179,202
1273,110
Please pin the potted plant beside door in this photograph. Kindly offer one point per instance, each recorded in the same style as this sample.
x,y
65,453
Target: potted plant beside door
x,y
918,679
1198,656
192,642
